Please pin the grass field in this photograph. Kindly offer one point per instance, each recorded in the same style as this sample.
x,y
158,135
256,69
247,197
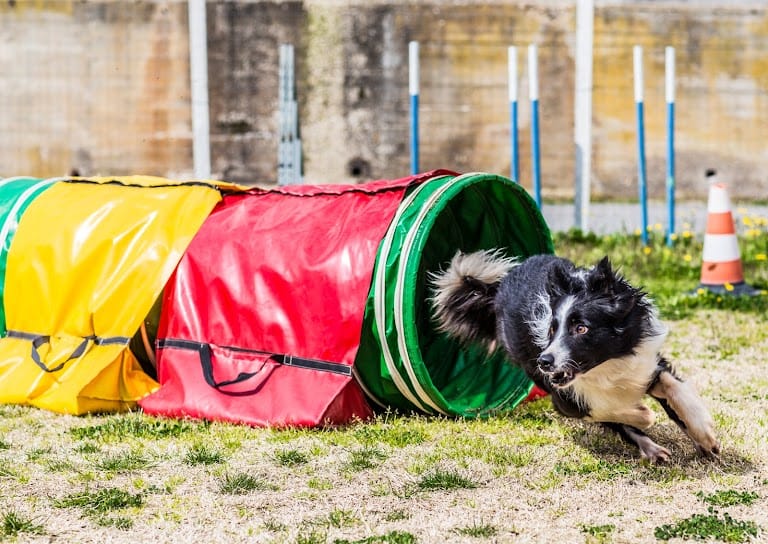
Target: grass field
x,y
528,476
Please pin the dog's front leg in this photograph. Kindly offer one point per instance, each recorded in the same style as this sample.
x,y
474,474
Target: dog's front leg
x,y
685,407
648,448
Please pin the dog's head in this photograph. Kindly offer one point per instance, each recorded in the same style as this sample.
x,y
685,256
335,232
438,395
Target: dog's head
x,y
594,315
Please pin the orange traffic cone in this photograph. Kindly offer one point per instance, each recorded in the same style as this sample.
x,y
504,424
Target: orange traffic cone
x,y
721,270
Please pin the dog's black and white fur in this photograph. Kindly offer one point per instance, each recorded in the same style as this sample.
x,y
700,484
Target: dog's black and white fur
x,y
586,336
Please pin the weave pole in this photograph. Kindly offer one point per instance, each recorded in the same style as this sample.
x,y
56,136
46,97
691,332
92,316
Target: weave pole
x,y
641,178
669,87
582,112
289,157
413,89
514,173
533,92
198,68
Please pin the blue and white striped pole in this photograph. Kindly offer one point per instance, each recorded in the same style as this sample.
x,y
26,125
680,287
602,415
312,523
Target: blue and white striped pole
x,y
641,179
514,143
413,89
533,93
669,77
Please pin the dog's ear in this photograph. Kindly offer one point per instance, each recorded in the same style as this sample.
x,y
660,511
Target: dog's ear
x,y
601,279
620,297
560,281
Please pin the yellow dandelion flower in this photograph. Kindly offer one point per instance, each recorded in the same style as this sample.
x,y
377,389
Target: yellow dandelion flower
x,y
673,236
761,257
742,210
687,234
687,258
728,286
647,250
657,226
638,232
701,291
649,228
747,221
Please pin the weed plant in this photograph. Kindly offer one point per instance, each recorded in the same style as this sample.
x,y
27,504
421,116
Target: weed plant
x,y
291,457
709,526
364,458
393,537
201,454
101,501
478,530
445,480
14,524
135,425
241,483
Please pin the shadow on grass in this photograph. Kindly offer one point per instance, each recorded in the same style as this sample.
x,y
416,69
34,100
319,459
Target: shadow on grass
x,y
686,463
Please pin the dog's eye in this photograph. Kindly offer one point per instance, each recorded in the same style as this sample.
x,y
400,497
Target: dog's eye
x,y
581,329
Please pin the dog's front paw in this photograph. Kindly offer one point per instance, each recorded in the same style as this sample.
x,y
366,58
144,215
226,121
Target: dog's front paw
x,y
702,432
709,448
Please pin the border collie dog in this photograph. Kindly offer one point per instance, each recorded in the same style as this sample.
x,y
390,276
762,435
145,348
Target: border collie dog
x,y
585,336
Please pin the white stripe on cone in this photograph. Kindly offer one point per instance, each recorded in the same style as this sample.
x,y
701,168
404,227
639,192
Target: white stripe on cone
x,y
719,248
718,199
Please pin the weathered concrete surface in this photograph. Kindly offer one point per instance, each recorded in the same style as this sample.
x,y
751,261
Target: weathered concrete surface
x,y
104,87
101,87
243,63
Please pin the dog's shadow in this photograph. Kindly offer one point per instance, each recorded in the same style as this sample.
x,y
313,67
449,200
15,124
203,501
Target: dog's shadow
x,y
685,462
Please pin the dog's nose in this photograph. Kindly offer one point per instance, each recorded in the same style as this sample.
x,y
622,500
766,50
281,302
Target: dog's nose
x,y
546,361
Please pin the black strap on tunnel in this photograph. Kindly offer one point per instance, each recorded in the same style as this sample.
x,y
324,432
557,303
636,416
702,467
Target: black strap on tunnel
x,y
204,351
39,340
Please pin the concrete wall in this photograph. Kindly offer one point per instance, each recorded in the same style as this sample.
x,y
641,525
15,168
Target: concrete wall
x,y
104,87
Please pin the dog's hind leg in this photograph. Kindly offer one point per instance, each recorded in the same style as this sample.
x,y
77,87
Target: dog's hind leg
x,y
648,448
685,407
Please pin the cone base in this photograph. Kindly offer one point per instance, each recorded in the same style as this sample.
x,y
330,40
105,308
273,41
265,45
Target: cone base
x,y
738,289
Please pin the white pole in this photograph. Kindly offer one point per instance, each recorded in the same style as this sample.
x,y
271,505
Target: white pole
x,y
641,169
585,12
413,91
669,88
533,73
198,68
637,64
669,74
533,94
413,68
512,72
514,168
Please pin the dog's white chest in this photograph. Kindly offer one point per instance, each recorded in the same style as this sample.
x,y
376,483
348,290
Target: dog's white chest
x,y
613,391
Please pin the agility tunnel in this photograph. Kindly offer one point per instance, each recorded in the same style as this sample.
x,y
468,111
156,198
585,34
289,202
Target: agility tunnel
x,y
290,301
295,306
86,262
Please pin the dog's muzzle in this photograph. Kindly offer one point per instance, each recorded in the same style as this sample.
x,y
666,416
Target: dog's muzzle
x,y
561,378
558,377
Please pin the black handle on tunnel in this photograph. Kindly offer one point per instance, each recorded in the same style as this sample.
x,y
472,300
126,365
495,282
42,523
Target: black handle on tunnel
x,y
204,351
41,340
